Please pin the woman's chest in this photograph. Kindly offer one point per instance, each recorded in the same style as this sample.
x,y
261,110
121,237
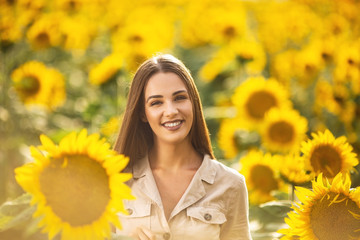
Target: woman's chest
x,y
171,188
195,222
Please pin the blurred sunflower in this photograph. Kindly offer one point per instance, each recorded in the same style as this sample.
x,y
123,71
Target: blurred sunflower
x,y
37,84
328,155
70,6
347,68
249,55
228,139
29,10
111,127
307,65
228,22
76,185
262,174
330,212
293,171
105,70
336,99
281,67
145,32
44,32
221,23
283,130
75,35
10,30
218,63
283,23
257,95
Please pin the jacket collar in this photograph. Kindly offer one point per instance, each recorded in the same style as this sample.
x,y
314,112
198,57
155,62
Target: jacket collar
x,y
206,172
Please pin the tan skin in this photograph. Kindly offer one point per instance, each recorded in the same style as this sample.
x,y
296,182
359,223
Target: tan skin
x,y
173,159
173,179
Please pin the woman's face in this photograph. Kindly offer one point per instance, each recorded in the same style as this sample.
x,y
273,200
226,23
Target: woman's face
x,y
168,108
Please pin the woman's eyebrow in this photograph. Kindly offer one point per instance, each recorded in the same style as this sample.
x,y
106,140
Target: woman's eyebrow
x,y
180,91
160,96
153,96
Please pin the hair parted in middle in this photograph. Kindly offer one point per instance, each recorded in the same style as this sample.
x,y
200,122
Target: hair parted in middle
x,y
136,136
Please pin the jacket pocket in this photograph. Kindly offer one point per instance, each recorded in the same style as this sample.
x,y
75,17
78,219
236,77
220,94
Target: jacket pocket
x,y
206,215
138,216
137,208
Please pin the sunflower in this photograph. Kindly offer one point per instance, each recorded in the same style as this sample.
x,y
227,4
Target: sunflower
x,y
45,32
293,171
76,185
37,84
328,212
141,36
347,65
228,139
248,54
221,22
262,174
283,130
10,30
105,70
328,155
218,63
257,95
281,67
75,36
307,65
336,99
111,127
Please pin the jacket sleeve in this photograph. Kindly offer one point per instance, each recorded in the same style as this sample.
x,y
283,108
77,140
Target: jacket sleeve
x,y
237,224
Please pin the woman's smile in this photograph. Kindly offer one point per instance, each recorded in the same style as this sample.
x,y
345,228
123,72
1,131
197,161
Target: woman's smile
x,y
168,108
172,126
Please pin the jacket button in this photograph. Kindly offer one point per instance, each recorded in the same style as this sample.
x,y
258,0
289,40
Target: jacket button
x,y
207,216
166,236
130,211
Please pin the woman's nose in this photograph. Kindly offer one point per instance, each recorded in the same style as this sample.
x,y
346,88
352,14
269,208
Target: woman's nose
x,y
170,109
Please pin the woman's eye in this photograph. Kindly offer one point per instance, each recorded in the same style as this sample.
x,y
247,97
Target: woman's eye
x,y
180,97
155,103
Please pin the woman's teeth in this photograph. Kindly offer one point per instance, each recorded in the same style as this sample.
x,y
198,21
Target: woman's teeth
x,y
173,124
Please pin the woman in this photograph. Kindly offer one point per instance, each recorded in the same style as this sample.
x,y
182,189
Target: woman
x,y
181,192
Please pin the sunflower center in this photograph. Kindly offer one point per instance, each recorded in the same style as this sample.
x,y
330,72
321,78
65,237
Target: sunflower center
x,y
263,178
28,86
333,217
43,39
76,188
327,160
229,32
281,132
136,39
259,103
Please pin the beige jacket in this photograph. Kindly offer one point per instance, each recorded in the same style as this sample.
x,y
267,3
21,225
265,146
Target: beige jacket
x,y
214,206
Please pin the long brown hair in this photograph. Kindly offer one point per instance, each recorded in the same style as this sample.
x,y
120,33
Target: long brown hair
x,y
136,137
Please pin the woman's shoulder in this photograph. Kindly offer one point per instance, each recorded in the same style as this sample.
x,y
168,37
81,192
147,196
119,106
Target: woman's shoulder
x,y
225,173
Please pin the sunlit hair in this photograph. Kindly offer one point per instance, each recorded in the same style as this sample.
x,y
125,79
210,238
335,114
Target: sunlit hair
x,y
136,137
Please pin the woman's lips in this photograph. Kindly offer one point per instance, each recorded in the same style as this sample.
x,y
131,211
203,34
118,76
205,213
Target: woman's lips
x,y
174,125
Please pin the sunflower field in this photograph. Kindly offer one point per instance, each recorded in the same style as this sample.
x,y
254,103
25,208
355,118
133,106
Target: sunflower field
x,y
279,82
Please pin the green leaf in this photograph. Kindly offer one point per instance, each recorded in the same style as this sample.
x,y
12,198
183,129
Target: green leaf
x,y
15,212
274,211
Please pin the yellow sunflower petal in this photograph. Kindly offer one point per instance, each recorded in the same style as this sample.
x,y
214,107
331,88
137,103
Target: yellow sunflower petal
x,y
76,191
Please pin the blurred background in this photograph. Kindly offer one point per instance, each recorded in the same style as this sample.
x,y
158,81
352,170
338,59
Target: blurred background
x,y
67,64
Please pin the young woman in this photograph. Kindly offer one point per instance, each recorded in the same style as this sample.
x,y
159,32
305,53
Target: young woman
x,y
181,191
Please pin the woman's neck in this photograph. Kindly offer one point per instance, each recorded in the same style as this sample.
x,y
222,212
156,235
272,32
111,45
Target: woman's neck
x,y
174,157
